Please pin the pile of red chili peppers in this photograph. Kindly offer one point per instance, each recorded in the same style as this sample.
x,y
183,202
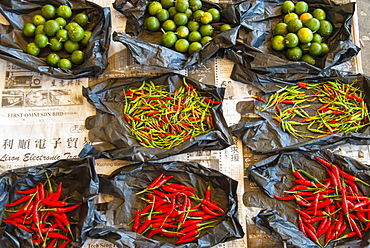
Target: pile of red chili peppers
x,y
42,213
158,118
331,209
339,108
170,211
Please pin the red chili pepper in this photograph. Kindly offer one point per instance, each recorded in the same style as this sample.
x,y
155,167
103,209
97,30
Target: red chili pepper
x,y
303,214
303,85
302,202
19,201
57,235
128,93
354,225
312,235
212,205
188,235
353,186
361,204
321,228
361,217
212,101
304,182
163,181
52,244
136,224
285,198
357,98
209,211
62,210
180,186
28,191
188,240
194,227
315,219
260,99
301,226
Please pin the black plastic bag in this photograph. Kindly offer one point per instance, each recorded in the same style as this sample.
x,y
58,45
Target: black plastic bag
x,y
80,182
112,139
13,43
144,45
128,180
273,176
265,135
257,32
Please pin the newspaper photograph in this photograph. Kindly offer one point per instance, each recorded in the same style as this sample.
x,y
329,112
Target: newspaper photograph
x,y
42,120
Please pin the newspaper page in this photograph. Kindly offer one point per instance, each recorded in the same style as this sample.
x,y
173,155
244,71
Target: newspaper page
x,y
43,120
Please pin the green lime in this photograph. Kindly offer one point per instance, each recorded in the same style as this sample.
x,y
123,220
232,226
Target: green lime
x,y
180,19
77,57
281,29
294,25
167,3
163,15
294,53
48,11
325,49
205,40
182,45
82,19
277,43
304,17
52,59
62,35
225,27
317,38
71,46
215,14
182,32
38,20
287,7
41,40
326,28
65,64
64,11
29,30
206,30
76,33
169,25
206,18
168,39
308,59
70,25
86,38
172,11
291,40
194,47
315,49
51,27
305,35
154,7
181,5
198,14
195,4
55,45
194,36
313,24
39,30
33,49
189,13
305,47
62,22
193,26
152,23
319,14
289,17
301,7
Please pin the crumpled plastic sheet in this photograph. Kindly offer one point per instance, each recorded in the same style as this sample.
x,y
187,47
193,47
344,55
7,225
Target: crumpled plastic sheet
x,y
111,138
265,134
145,47
126,181
256,32
273,175
13,44
79,181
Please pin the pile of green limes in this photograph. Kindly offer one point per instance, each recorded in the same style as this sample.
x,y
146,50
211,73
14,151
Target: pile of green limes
x,y
302,33
185,25
51,30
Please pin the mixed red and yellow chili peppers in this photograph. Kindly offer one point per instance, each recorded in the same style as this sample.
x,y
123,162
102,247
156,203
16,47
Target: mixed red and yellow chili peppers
x,y
158,118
